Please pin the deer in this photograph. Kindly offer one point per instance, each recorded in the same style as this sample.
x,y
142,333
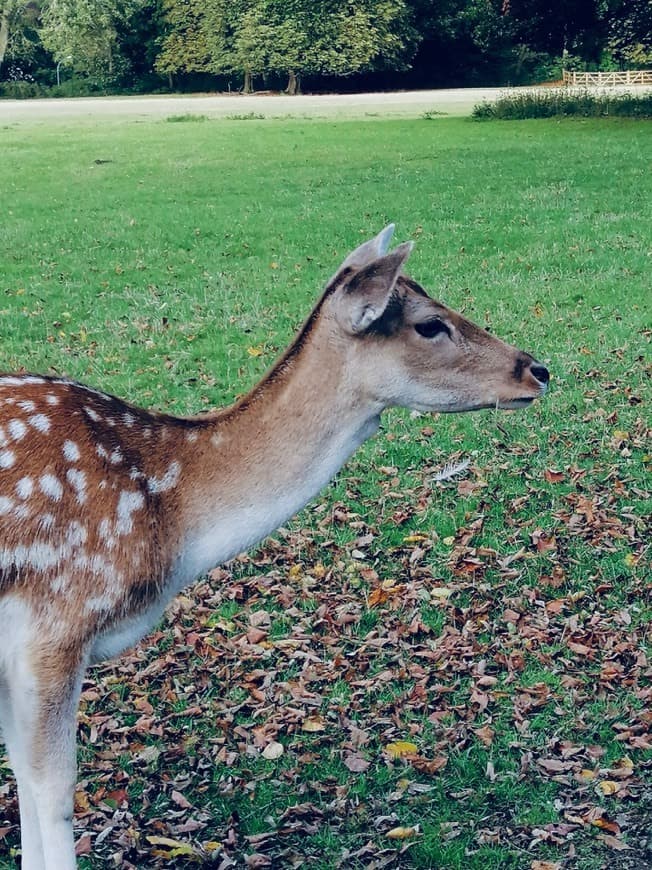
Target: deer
x,y
107,511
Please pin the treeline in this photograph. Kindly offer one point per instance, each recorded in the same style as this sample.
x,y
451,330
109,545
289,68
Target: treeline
x,y
113,46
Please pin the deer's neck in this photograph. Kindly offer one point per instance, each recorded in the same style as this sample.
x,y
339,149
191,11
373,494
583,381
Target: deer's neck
x,y
263,460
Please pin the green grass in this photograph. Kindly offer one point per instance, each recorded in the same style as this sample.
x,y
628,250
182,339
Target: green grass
x,y
169,263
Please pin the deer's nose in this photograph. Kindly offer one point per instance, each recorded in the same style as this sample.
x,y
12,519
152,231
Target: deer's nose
x,y
540,372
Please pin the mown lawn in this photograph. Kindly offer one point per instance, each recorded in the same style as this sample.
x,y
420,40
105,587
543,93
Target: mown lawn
x,y
414,673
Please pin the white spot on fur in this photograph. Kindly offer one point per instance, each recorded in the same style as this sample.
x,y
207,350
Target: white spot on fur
x,y
127,504
128,419
135,474
105,533
116,456
17,429
51,486
32,379
10,381
77,479
3,438
216,439
27,406
39,555
6,504
71,451
7,458
40,422
92,413
96,564
168,481
191,436
147,433
46,521
102,452
59,584
21,512
76,534
24,487
51,399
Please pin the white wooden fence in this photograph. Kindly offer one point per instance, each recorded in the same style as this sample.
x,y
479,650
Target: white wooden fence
x,y
628,77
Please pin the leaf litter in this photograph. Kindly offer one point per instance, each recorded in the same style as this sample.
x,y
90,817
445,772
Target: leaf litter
x,y
309,701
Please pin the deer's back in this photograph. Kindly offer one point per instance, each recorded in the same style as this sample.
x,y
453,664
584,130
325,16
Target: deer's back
x,y
87,489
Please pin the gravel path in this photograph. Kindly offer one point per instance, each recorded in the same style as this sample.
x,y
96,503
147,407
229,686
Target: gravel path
x,y
406,104
398,104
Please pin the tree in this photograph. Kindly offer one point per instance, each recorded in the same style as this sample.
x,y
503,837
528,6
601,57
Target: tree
x,y
84,33
630,32
288,37
184,46
17,19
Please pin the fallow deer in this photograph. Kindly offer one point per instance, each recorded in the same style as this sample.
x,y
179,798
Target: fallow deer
x,y
107,511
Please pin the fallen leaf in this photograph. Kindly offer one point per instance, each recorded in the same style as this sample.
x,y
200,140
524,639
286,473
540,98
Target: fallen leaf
x,y
402,833
173,848
613,842
608,786
377,596
257,859
400,748
273,751
356,763
313,723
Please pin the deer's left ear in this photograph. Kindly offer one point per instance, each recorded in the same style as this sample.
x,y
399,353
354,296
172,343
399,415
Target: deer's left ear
x,y
363,299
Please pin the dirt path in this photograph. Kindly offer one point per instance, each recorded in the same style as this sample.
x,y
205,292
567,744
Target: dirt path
x,y
406,104
409,104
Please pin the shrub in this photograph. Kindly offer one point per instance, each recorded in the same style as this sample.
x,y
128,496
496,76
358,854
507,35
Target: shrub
x,y
563,102
20,90
182,119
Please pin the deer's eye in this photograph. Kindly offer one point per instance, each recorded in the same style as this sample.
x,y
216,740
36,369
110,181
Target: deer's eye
x,y
431,328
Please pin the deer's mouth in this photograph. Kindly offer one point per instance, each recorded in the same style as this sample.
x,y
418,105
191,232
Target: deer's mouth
x,y
516,403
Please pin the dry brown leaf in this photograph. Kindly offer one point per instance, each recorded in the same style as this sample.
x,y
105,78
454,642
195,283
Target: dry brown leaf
x,y
356,763
313,723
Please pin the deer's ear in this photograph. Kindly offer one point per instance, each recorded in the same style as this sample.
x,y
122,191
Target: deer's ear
x,y
369,251
363,299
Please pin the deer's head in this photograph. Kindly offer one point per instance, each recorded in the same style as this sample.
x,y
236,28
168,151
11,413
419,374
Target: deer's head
x,y
415,352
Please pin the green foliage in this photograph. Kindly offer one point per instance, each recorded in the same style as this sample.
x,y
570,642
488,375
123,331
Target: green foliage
x,y
18,36
630,33
83,35
138,45
188,117
564,103
258,37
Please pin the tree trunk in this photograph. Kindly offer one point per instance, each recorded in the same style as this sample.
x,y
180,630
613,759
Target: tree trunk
x,y
247,88
294,86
